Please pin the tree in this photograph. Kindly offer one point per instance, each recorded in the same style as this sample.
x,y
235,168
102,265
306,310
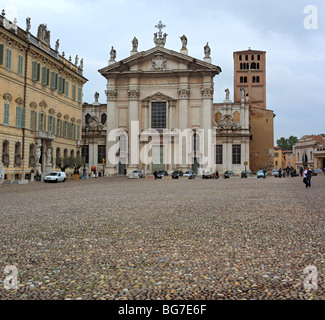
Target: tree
x,y
64,163
77,163
287,144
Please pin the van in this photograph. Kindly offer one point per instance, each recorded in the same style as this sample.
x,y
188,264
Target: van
x,y
55,176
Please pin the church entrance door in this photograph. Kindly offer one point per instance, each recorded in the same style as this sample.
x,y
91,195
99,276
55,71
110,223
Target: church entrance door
x,y
158,158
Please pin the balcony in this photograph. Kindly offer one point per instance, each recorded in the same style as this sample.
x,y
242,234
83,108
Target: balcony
x,y
44,135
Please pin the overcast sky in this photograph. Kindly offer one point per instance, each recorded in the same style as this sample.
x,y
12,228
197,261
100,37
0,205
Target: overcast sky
x,y
295,55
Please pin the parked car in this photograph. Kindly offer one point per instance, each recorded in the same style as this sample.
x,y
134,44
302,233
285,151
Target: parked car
x,y
316,171
137,174
208,175
275,173
260,174
177,173
190,174
55,176
161,174
230,173
246,173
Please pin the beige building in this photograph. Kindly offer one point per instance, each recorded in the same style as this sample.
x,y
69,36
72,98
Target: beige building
x,y
310,151
160,105
250,74
40,101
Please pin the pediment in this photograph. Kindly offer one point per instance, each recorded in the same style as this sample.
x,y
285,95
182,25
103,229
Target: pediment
x,y
159,59
158,96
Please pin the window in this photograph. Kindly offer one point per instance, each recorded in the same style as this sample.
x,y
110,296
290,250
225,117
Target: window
x,y
85,153
50,124
236,154
1,54
258,66
123,147
5,153
73,92
241,79
257,79
67,89
8,59
58,127
72,153
36,69
79,95
253,57
45,76
196,142
240,57
158,115
246,57
258,57
18,154
6,114
101,153
103,118
276,155
61,85
20,117
254,79
20,65
219,155
32,155
58,156
253,65
54,80
64,129
78,132
87,117
245,79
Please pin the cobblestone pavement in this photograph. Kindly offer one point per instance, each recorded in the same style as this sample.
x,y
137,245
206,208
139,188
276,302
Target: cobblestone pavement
x,y
114,238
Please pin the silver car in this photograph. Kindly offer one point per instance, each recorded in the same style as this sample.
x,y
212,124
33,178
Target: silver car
x,y
137,174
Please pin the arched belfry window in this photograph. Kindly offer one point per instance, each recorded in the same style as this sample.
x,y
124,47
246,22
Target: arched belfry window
x,y
87,117
103,118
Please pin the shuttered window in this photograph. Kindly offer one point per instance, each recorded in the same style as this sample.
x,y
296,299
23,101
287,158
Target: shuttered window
x,y
78,132
1,53
6,114
20,65
73,92
61,85
45,76
36,70
20,117
67,88
54,80
79,95
8,59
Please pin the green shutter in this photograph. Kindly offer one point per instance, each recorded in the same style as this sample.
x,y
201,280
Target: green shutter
x,y
18,117
54,126
56,81
78,132
67,88
1,54
49,123
35,120
73,92
20,65
47,77
61,129
44,76
8,59
79,95
23,118
44,122
31,120
40,122
38,72
34,71
60,85
75,132
52,80
6,114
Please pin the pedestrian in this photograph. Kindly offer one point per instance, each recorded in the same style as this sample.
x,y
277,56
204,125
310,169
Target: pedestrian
x,y
280,174
301,171
307,177
264,173
155,174
217,175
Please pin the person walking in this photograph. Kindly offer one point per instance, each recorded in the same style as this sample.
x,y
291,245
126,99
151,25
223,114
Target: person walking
x,y
301,171
307,177
264,172
155,174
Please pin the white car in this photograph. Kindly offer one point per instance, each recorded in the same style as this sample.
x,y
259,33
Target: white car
x,y
190,174
137,174
55,176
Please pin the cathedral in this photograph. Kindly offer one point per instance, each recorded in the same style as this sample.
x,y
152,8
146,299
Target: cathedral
x,y
160,114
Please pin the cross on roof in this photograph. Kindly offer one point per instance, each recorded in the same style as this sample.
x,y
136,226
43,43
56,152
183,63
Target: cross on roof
x,y
160,26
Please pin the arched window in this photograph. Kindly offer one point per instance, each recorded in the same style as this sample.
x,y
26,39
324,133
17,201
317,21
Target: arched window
x,y
103,118
241,79
258,79
196,142
258,57
87,117
5,153
254,79
246,57
253,66
18,154
65,153
72,153
245,79
258,66
253,57
241,66
240,57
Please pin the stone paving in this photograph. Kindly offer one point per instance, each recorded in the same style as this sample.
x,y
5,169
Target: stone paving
x,y
114,238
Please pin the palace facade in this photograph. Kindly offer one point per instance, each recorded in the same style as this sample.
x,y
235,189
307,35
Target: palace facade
x,y
40,101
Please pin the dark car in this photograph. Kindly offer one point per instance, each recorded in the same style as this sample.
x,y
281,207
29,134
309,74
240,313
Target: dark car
x,y
230,173
161,174
316,171
208,175
177,173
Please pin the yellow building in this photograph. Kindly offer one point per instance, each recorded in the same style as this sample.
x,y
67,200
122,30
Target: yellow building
x,y
288,159
278,158
40,101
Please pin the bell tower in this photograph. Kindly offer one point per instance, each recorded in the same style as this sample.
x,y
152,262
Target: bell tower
x,y
250,74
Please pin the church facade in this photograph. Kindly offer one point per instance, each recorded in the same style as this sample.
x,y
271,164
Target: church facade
x,y
161,114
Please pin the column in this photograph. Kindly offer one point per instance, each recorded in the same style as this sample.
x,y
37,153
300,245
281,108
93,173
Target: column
x,y
112,123
183,124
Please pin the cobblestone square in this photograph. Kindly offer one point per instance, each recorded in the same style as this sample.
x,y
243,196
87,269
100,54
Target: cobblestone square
x,y
114,238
